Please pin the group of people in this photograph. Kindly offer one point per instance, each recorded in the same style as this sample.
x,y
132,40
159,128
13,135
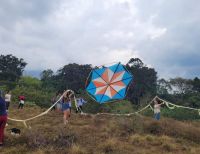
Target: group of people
x,y
8,97
65,104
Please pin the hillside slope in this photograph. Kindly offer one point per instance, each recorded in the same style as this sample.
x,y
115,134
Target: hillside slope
x,y
100,134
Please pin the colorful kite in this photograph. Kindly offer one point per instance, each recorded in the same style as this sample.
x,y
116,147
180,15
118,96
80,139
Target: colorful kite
x,y
109,83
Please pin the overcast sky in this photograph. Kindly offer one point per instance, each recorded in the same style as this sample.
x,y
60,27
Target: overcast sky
x,y
165,34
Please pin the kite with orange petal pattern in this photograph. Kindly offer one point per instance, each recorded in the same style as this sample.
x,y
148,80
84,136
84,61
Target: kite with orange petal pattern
x,y
109,83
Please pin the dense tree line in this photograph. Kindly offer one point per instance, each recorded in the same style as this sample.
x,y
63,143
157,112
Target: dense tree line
x,y
144,81
144,86
11,69
181,91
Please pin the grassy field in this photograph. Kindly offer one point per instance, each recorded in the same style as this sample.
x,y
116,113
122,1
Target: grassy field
x,y
100,134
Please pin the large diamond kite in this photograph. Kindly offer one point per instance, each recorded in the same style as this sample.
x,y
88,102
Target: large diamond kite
x,y
109,83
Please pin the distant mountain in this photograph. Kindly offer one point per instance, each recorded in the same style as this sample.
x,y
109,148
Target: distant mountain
x,y
33,73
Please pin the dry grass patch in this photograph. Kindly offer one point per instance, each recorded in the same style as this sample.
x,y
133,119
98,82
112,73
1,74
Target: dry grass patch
x,y
76,149
110,145
172,128
101,134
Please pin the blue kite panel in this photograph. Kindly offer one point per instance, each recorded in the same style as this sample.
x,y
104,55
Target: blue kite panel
x,y
127,75
94,75
97,97
91,86
120,68
98,73
104,99
114,67
120,94
127,81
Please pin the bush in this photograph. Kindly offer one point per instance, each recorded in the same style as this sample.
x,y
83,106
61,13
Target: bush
x,y
177,113
38,97
180,114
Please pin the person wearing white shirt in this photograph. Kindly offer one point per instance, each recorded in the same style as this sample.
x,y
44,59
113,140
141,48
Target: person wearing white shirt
x,y
80,102
157,107
8,99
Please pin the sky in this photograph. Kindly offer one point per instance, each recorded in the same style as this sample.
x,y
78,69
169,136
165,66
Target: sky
x,y
164,34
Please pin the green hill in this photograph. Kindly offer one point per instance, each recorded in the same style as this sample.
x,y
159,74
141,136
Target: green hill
x,y
99,134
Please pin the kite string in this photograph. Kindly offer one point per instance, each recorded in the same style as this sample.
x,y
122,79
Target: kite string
x,y
169,105
177,106
173,106
127,114
41,114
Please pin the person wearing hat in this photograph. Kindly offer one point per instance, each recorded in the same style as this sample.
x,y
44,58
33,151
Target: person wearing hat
x,y
3,117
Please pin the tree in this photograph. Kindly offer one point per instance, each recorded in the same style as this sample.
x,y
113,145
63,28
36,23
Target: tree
x,y
196,84
11,69
48,80
163,87
144,80
72,76
135,62
29,82
181,85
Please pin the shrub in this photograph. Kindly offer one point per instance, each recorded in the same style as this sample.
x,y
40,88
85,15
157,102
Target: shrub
x,y
154,127
76,149
109,146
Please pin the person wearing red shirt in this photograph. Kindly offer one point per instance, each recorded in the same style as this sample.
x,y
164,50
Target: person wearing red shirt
x,y
3,117
21,102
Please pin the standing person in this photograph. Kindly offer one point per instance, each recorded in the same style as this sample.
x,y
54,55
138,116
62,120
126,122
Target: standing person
x,y
53,100
157,107
21,102
67,97
80,102
8,99
59,104
3,117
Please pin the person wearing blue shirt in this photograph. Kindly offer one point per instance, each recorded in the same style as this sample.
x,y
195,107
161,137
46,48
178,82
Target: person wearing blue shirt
x,y
3,117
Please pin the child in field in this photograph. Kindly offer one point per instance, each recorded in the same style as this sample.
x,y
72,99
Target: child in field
x,y
66,101
21,102
3,118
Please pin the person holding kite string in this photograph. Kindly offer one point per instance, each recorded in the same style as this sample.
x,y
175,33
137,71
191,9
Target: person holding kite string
x,y
66,101
157,107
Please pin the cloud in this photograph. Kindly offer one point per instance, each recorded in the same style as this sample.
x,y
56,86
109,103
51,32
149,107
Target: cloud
x,y
50,34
